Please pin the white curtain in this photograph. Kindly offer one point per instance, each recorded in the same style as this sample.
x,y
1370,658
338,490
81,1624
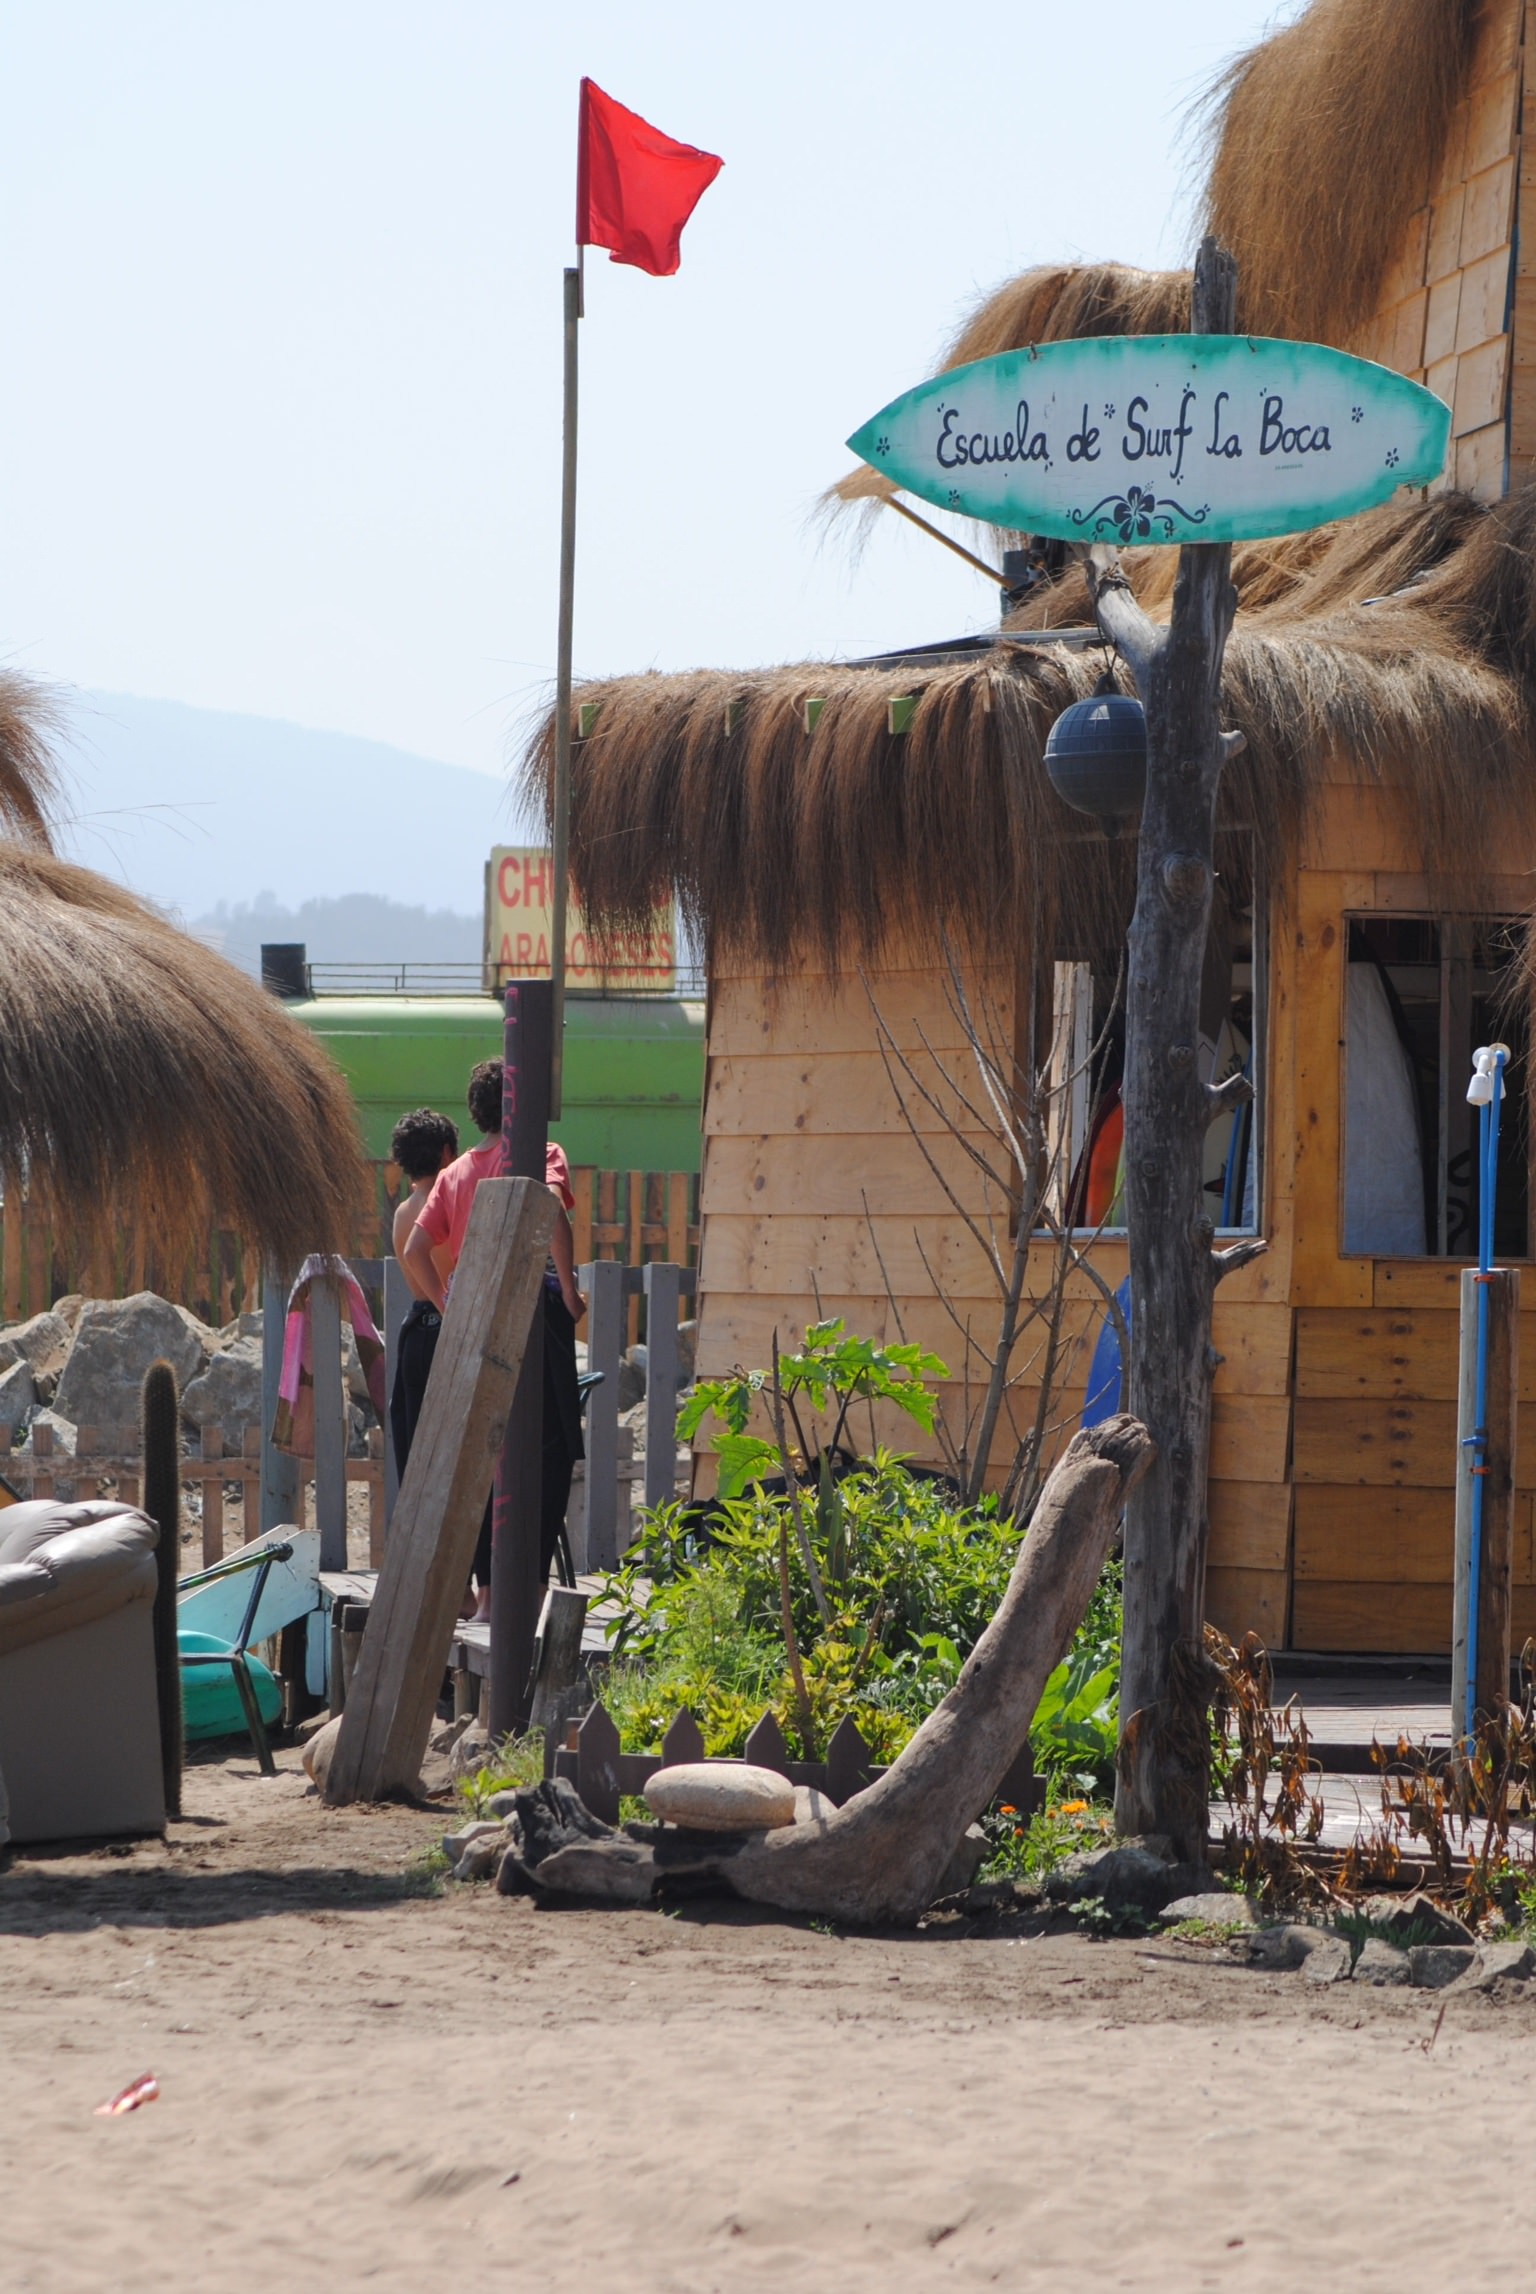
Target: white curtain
x,y
1383,1164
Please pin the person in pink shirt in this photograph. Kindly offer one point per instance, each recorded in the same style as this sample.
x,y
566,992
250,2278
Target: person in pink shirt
x,y
432,1252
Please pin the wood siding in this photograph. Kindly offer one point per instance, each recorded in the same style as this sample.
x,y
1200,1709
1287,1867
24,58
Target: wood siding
x,y
1448,316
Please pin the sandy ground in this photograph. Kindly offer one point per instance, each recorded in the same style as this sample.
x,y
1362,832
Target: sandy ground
x,y
368,2083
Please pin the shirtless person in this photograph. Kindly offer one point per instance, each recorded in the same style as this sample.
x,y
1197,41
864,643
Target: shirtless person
x,y
431,1255
423,1144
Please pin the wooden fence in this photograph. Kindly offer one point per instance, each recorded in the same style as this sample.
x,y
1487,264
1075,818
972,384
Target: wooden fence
x,y
632,1216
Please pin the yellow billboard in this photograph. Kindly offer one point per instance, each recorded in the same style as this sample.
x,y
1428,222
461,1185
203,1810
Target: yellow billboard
x,y
519,896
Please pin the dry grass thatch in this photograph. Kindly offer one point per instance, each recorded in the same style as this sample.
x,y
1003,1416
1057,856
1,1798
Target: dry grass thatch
x,y
1323,141
29,788
842,839
148,1086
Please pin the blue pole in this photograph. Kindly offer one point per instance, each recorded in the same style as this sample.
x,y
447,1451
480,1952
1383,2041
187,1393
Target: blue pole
x,y
1488,1166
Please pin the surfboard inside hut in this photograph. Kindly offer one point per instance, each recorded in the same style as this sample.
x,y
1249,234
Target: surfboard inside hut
x,y
871,851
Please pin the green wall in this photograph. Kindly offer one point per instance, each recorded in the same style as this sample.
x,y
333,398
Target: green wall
x,y
634,1069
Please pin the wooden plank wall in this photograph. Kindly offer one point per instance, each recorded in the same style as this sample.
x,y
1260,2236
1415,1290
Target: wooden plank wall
x,y
1445,316
816,1198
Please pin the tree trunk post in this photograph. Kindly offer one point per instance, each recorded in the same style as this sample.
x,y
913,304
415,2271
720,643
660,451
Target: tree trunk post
x,y
1164,1758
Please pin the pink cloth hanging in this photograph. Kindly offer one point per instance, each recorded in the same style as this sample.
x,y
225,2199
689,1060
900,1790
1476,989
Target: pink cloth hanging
x,y
293,1426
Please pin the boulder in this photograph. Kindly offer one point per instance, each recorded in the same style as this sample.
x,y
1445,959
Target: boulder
x,y
1436,1965
65,1435
1416,1915
243,1326
18,1398
1498,1962
1129,1876
115,1341
1288,1944
811,1806
631,1377
710,1797
1328,1960
43,1344
68,1308
1382,1965
228,1393
1218,1908
320,1751
687,1351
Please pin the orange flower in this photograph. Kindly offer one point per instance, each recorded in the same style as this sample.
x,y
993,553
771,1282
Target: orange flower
x,y
1073,1808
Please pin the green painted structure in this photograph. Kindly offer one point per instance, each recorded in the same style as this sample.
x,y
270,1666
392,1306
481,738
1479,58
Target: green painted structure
x,y
634,1069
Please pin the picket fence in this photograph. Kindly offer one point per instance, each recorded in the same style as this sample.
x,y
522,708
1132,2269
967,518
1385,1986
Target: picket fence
x,y
636,1233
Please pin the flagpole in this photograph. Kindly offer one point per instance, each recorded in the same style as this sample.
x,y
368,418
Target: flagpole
x,y
561,824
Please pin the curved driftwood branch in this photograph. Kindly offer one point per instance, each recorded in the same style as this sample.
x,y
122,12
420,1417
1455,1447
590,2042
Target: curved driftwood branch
x,y
881,1856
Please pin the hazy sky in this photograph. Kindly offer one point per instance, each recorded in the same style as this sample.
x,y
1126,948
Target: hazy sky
x,y
282,295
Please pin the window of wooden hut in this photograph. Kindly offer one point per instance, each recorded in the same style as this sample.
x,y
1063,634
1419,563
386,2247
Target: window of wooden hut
x,y
1080,1025
1421,993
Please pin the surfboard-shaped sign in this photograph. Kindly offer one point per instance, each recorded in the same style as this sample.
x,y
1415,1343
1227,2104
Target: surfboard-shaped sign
x,y
1161,438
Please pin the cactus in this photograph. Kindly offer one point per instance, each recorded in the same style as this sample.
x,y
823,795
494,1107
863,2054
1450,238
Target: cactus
x,y
162,1502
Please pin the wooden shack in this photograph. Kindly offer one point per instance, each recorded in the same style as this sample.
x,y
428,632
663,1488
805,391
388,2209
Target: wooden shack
x,y
852,841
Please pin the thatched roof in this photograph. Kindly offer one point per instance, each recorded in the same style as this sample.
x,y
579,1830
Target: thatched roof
x,y
1406,638
144,1080
1322,142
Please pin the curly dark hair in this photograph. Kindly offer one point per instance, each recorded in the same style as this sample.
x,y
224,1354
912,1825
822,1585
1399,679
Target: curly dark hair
x,y
483,1097
418,1141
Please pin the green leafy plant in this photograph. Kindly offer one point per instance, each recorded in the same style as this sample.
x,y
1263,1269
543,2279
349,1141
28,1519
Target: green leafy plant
x,y
511,1764
1097,1918
1027,1848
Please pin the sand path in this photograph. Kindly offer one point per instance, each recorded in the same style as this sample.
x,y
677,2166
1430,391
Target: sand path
x,y
365,2085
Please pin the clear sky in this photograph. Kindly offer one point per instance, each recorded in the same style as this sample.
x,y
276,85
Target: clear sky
x,y
281,287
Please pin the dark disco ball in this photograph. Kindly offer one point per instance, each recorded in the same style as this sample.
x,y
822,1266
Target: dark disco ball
x,y
1096,756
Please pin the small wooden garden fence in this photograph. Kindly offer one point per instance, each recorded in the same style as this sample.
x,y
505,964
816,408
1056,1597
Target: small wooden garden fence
x,y
592,1760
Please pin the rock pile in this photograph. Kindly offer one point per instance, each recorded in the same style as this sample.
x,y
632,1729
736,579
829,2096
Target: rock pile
x,y
82,1363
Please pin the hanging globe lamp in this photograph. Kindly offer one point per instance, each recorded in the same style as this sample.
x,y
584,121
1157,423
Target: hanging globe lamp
x,y
1096,756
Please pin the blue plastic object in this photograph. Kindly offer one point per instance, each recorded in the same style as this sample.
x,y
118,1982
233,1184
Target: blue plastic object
x,y
210,1700
1106,1372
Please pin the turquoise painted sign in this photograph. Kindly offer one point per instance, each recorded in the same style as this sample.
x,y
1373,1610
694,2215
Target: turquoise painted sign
x,y
1161,438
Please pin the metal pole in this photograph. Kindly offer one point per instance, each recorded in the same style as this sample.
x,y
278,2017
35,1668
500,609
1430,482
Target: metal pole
x,y
517,1588
1478,1463
561,823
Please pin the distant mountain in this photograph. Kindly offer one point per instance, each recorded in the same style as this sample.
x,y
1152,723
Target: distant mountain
x,y
355,928
204,812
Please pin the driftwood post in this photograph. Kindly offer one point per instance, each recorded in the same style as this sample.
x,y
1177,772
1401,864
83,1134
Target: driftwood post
x,y
1164,1740
388,1715
881,1856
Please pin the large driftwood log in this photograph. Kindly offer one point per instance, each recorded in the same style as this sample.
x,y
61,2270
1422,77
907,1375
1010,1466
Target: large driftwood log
x,y
881,1857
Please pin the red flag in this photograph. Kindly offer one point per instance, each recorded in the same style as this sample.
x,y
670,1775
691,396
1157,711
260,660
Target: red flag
x,y
635,187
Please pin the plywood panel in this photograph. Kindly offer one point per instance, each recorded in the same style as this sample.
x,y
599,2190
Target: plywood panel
x,y
1498,43
1489,213
1239,1601
1480,379
1376,1444
1480,461
1414,1354
836,1178
1370,824
1441,315
834,1092
1319,1274
1443,253
1250,1525
814,1013
1368,1619
1491,122
1250,1437
1482,302
1255,1345
1390,1536
787,1255
736,1329
1342,1352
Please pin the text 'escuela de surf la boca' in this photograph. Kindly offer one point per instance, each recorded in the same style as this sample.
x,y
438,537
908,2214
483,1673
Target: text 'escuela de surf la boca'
x,y
1167,438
